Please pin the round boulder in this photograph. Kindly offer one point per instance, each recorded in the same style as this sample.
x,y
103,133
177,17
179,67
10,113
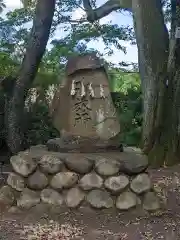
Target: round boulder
x,y
133,162
37,181
28,199
107,167
16,182
141,183
116,184
50,164
64,180
79,164
91,181
51,197
126,200
99,199
23,165
74,197
151,202
6,195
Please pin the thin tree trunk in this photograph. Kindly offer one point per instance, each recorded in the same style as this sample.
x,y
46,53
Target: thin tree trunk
x,y
35,49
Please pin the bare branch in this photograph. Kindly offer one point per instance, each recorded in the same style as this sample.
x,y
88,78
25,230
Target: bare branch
x,y
80,6
105,9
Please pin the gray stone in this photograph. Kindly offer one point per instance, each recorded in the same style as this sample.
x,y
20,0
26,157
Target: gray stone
x,y
126,200
14,210
39,147
50,164
28,199
51,197
16,182
79,164
6,195
132,162
141,184
74,197
116,184
151,202
34,154
83,144
53,144
91,181
23,164
133,150
64,180
107,167
99,199
37,181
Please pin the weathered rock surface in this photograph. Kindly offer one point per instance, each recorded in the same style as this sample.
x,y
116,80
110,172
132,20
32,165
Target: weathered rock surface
x,y
74,197
132,162
79,164
76,144
14,210
97,133
6,195
16,181
107,167
91,181
51,197
37,181
151,202
24,164
116,184
28,199
64,180
53,144
141,183
47,178
99,199
39,147
50,164
126,200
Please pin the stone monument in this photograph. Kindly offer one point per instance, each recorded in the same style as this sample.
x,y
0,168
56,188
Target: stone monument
x,y
82,109
76,170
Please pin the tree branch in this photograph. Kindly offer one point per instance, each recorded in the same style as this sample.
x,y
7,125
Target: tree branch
x,y
67,19
105,9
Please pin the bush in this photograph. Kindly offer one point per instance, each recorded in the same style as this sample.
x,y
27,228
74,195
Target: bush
x,y
129,108
40,128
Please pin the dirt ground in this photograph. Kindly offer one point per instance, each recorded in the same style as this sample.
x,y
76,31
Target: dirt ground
x,y
43,223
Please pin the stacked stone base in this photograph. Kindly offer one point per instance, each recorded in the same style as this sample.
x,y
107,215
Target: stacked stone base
x,y
117,180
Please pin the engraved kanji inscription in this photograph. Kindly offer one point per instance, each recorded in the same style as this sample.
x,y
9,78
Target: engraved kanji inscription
x,y
82,111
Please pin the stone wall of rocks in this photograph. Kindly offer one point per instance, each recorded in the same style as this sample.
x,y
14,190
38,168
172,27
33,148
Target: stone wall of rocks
x,y
97,180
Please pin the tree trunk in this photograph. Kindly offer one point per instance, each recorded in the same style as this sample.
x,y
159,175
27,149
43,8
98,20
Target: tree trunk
x,y
35,49
152,45
161,100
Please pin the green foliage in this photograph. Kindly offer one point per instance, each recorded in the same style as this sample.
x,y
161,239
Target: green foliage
x,y
122,81
128,101
40,128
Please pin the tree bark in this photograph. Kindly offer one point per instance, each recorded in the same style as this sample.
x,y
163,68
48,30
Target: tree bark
x,y
153,43
35,49
159,64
